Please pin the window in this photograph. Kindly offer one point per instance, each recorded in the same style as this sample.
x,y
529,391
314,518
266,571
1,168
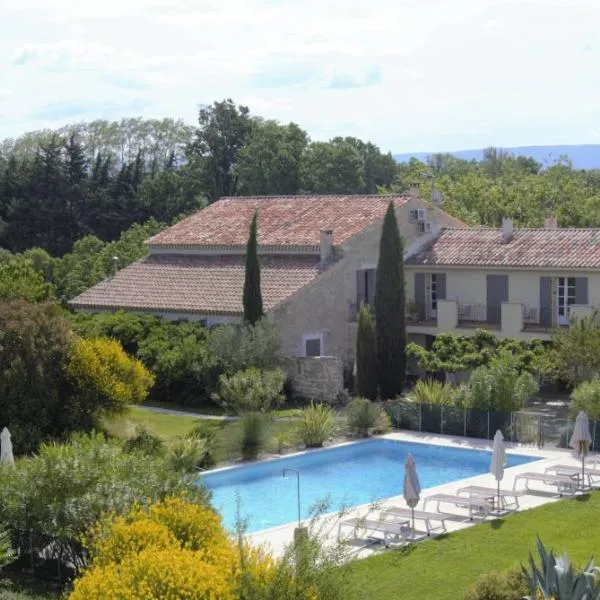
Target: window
x,y
313,344
433,292
365,286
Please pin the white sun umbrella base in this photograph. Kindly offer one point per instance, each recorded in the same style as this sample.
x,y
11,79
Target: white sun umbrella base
x,y
6,450
497,465
411,490
581,441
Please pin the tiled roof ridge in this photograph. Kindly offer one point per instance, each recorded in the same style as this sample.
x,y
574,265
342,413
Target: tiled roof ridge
x,y
517,229
312,196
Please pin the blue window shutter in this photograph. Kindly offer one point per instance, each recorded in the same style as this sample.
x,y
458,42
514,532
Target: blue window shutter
x,y
545,300
581,290
440,279
360,288
420,293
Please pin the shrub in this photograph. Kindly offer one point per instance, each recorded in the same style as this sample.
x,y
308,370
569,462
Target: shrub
x,y
106,376
316,424
237,348
586,396
500,386
250,434
175,549
383,424
181,360
54,383
510,585
366,355
251,390
185,454
431,391
144,441
362,416
64,489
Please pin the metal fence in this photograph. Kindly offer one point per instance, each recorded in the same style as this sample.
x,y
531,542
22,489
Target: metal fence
x,y
519,427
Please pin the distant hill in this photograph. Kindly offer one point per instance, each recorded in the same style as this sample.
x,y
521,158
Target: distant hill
x,y
582,156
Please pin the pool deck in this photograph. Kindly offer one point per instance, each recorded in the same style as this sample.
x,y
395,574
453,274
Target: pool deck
x,y
277,538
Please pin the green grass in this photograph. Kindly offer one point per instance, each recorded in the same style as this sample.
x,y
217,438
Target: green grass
x,y
162,425
208,409
443,568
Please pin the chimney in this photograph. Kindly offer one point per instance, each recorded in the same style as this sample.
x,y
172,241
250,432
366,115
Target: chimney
x,y
326,246
551,222
436,196
507,229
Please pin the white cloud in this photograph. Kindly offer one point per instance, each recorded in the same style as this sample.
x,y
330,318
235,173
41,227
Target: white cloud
x,y
410,74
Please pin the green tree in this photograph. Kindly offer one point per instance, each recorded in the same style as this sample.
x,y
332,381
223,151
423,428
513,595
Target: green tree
x,y
40,399
577,350
335,167
270,163
366,355
19,279
224,129
389,303
586,397
253,306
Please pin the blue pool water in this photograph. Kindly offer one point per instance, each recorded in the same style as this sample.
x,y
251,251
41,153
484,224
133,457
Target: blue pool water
x,y
344,476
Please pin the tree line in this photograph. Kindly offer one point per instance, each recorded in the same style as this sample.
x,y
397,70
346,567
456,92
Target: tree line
x,y
101,178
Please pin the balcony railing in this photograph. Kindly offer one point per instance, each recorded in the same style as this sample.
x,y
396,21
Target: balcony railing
x,y
538,319
471,315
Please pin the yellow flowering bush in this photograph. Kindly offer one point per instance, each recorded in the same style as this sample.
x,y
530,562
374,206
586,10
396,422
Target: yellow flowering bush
x,y
125,539
101,368
175,549
156,574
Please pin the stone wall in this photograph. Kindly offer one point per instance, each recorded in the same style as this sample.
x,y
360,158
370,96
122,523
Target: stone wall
x,y
317,377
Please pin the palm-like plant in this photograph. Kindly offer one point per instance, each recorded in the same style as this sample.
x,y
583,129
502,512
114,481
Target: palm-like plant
x,y
555,579
431,391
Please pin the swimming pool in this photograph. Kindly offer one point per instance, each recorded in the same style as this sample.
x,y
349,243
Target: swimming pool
x,y
347,475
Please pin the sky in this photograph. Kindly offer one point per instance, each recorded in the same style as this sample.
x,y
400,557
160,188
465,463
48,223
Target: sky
x,y
409,75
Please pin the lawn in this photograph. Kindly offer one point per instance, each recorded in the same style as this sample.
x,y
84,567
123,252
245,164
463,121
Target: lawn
x,y
163,425
443,568
169,426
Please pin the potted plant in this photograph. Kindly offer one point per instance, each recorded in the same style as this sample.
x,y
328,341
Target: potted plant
x,y
412,312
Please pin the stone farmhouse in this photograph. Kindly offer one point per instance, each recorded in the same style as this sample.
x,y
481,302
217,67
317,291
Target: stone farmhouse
x,y
318,257
318,261
519,283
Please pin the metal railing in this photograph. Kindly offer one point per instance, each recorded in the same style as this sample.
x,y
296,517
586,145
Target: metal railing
x,y
537,318
520,427
472,313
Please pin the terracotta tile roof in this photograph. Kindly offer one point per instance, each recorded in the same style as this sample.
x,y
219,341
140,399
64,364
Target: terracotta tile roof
x,y
282,221
545,248
197,284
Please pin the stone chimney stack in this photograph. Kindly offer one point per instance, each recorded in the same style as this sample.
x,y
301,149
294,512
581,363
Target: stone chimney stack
x,y
326,246
551,222
507,229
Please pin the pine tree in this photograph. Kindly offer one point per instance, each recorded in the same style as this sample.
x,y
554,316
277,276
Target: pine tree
x,y
390,325
253,306
366,355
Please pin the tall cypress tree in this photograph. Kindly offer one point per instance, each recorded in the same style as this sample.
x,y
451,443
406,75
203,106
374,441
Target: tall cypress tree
x,y
390,323
366,355
253,306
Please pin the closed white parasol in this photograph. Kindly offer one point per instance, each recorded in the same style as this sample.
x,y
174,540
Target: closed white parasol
x,y
6,451
498,461
581,439
412,487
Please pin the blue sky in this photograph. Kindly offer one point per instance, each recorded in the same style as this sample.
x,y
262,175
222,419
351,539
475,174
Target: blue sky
x,y
410,75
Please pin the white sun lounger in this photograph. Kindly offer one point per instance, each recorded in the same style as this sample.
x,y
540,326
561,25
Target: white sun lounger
x,y
398,529
571,471
565,484
476,506
491,494
419,515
